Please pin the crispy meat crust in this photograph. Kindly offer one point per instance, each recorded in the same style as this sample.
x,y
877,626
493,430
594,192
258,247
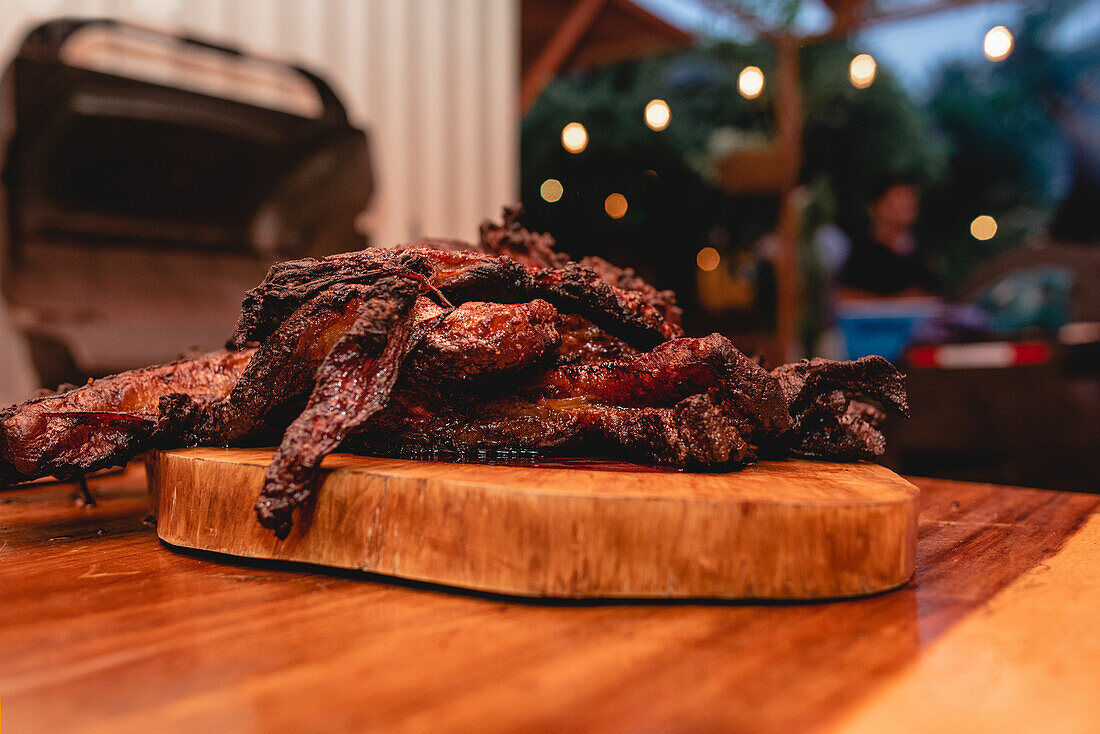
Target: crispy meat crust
x,y
511,238
827,419
674,371
368,349
538,249
460,277
283,371
628,280
689,402
467,276
353,383
291,284
582,342
479,340
693,432
108,421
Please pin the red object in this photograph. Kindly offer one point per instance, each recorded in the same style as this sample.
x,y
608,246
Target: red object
x,y
981,355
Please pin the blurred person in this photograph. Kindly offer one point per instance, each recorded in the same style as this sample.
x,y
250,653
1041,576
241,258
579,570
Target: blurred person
x,y
886,260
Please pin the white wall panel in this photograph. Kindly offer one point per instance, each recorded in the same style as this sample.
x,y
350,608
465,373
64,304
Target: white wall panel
x,y
501,86
433,81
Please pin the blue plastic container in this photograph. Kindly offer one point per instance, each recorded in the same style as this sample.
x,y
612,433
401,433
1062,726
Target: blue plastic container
x,y
882,327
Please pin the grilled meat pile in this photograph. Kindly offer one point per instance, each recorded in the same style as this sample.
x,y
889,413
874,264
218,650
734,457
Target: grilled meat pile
x,y
441,348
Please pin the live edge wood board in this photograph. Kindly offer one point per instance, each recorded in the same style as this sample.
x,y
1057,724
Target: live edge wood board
x,y
777,530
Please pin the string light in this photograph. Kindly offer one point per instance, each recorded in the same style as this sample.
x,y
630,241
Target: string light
x,y
750,82
615,206
998,43
551,190
657,114
708,259
983,227
574,137
862,71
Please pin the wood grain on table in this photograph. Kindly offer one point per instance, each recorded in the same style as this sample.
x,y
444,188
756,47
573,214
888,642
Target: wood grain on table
x,y
102,628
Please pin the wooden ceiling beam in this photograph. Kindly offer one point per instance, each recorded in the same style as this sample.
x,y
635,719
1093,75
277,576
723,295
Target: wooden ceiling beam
x,y
557,50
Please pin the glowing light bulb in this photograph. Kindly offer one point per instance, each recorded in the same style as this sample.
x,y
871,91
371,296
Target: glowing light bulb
x,y
862,71
551,190
708,258
983,227
615,206
750,83
574,137
998,43
657,114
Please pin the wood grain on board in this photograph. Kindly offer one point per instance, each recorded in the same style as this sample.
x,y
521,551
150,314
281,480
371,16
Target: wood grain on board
x,y
777,530
105,629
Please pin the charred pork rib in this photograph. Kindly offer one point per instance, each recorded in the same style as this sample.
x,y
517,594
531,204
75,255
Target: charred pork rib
x,y
828,419
687,402
676,370
353,383
460,277
506,345
106,422
538,249
282,373
692,432
479,340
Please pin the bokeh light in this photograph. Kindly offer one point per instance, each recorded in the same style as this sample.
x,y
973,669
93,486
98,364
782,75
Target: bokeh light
x,y
708,258
998,43
750,83
615,206
983,227
551,190
862,71
657,114
574,137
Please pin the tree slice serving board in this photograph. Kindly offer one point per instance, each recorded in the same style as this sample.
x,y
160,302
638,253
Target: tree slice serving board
x,y
777,530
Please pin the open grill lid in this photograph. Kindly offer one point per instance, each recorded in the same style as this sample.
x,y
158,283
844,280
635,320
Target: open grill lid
x,y
149,179
123,135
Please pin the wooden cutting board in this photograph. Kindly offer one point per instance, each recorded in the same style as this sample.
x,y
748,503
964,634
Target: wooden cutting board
x,y
777,530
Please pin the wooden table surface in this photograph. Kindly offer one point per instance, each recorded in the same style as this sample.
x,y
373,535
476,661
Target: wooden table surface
x,y
105,629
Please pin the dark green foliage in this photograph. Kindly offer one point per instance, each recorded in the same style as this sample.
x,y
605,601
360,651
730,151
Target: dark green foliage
x,y
852,137
1007,152
986,142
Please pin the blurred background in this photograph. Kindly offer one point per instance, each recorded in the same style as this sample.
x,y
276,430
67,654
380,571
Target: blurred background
x,y
913,178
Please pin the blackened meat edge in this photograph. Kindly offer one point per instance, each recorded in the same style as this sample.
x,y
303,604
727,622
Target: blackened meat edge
x,y
829,419
108,421
433,347
353,383
460,277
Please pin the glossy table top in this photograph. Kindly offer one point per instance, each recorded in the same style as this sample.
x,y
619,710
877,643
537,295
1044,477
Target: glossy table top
x,y
104,628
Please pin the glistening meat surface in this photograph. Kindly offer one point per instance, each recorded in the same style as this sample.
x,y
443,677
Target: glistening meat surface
x,y
108,421
507,346
352,384
479,340
692,432
673,371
